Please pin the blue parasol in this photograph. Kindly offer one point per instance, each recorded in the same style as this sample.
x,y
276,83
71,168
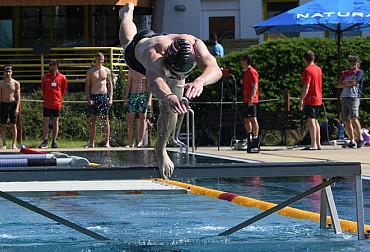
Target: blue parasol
x,y
336,16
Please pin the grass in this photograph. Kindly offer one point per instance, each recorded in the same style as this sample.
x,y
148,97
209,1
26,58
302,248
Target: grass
x,y
62,143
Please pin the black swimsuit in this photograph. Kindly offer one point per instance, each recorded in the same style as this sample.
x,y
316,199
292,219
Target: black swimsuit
x,y
130,58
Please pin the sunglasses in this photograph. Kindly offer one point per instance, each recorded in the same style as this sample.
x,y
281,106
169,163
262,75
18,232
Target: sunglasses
x,y
352,61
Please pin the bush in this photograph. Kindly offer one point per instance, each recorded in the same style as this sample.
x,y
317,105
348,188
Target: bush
x,y
280,66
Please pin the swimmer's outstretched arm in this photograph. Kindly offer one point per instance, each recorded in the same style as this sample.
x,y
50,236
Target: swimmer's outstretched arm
x,y
211,72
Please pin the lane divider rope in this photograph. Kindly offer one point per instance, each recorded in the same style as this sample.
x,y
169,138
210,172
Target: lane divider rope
x,y
349,226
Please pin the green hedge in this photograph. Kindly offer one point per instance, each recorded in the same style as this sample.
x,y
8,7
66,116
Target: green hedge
x,y
280,66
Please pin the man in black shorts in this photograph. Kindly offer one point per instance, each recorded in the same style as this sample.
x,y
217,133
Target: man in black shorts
x,y
250,83
53,86
10,96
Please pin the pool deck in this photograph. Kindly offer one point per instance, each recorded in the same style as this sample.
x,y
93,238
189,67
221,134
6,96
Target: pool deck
x,y
272,154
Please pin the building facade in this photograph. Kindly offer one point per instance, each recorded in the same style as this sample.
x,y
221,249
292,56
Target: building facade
x,y
24,23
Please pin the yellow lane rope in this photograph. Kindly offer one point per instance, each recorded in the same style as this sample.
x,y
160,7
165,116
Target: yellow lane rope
x,y
349,226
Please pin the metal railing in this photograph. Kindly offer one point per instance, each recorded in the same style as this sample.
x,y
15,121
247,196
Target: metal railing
x,y
30,65
176,132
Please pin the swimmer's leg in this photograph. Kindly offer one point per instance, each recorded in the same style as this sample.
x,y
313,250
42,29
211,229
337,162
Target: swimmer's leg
x,y
166,124
128,28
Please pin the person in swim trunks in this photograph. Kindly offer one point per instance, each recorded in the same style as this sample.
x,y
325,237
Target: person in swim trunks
x,y
166,60
10,96
138,99
99,94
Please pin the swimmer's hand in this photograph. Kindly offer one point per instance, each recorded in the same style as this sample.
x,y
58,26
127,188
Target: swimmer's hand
x,y
176,105
193,89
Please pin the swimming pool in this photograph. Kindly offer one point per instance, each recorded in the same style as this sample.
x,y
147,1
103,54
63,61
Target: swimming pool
x,y
181,222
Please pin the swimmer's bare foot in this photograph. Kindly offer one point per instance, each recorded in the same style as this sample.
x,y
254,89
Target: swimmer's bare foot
x,y
3,147
107,145
89,146
125,9
165,165
14,147
129,146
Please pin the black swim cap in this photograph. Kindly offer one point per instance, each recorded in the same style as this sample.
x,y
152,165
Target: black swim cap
x,y
7,67
180,56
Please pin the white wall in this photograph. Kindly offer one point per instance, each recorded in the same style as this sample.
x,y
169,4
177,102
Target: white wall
x,y
194,20
251,13
187,21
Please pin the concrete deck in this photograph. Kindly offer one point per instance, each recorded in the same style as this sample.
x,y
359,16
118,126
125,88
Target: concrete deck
x,y
295,154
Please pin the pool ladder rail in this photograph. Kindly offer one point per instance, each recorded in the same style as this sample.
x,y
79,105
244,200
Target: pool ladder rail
x,y
176,132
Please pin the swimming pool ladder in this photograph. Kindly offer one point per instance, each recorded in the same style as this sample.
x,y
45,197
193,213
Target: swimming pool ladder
x,y
176,132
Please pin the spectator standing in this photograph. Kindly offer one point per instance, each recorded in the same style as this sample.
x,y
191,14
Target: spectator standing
x,y
10,93
250,82
311,97
218,50
53,86
99,94
138,99
351,84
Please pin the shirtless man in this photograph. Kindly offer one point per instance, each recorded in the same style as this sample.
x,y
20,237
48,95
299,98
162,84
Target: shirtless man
x,y
167,60
99,93
10,93
138,99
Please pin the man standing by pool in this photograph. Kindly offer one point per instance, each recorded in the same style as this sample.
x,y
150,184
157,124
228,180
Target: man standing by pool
x,y
166,60
53,86
99,94
351,84
138,99
10,96
311,97
250,82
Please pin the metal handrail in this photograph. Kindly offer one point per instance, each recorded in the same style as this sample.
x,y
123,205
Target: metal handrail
x,y
176,133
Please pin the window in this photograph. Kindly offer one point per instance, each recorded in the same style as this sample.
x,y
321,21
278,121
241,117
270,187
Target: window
x,y
274,8
6,27
34,25
224,27
69,26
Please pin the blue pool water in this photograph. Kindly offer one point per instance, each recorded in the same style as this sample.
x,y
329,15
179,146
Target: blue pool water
x,y
182,222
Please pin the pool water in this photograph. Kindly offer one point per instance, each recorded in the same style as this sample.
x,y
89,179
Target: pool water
x,y
182,222
152,222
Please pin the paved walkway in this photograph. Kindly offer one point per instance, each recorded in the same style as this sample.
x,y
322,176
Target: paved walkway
x,y
289,154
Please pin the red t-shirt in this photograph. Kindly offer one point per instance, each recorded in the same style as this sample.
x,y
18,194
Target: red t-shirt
x,y
250,76
53,89
313,76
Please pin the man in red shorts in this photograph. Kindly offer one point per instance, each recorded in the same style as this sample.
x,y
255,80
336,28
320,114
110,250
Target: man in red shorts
x,y
53,86
311,97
